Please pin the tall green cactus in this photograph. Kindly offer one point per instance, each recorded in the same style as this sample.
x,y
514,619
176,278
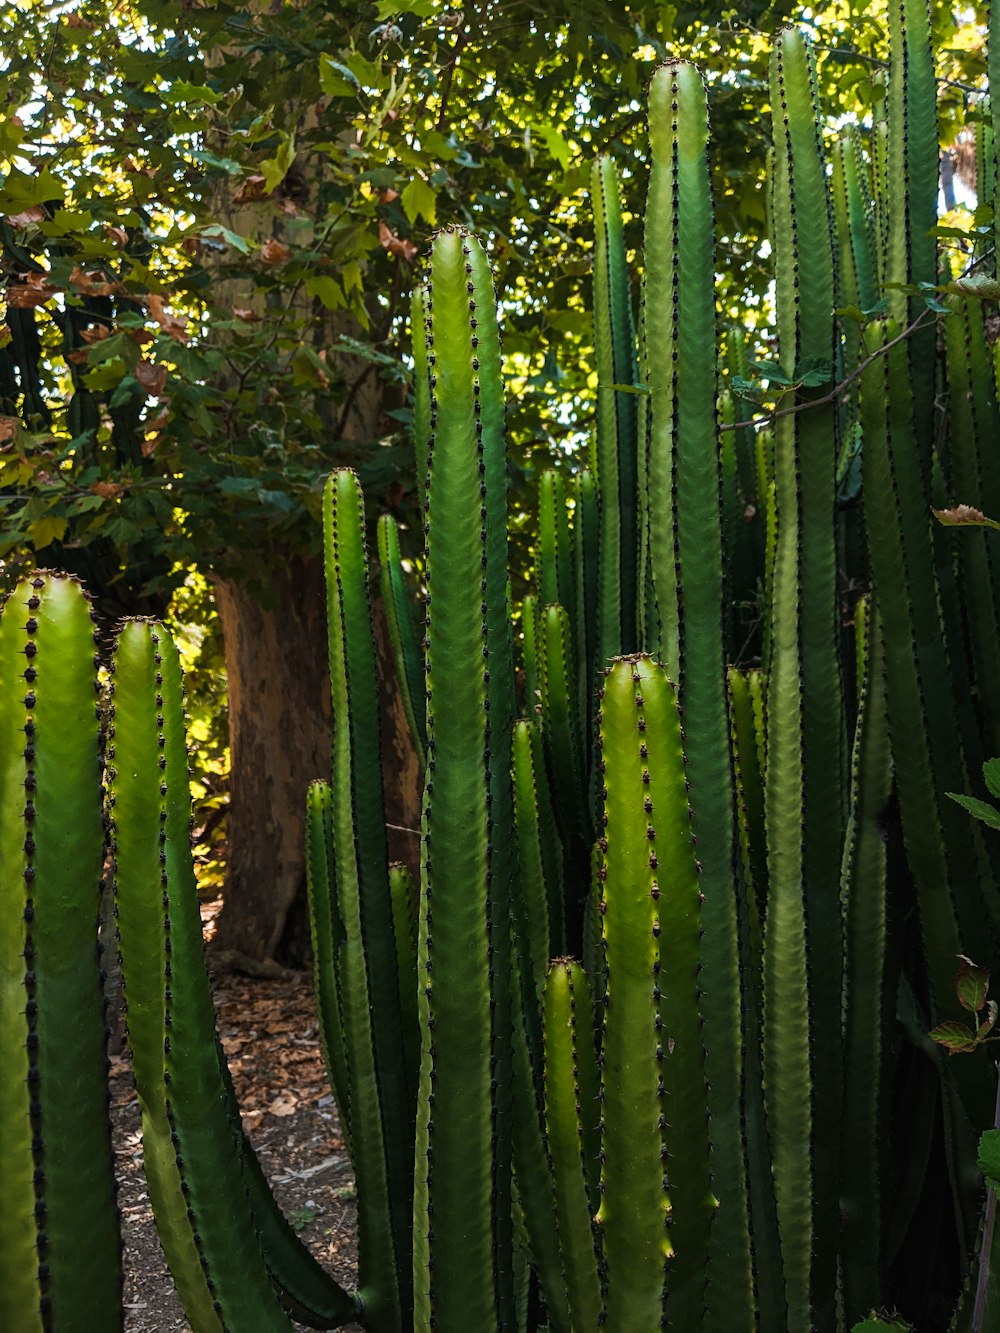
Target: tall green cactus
x,y
462,1229
59,1243
804,795
656,1197
684,498
235,1261
614,459
380,1098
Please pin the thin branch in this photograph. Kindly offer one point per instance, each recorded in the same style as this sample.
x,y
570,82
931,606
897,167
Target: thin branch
x,y
837,389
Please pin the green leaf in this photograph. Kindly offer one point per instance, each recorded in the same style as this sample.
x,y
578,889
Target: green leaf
x,y
989,1157
988,814
327,290
991,775
556,143
388,9
954,1036
20,191
232,238
337,79
418,200
972,983
46,530
275,169
980,286
189,93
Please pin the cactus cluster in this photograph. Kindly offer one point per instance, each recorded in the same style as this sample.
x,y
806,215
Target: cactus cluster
x,y
690,896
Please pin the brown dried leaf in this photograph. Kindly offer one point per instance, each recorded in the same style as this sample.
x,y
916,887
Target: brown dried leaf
x,y
964,516
152,376
118,236
274,254
396,245
33,290
253,188
8,428
107,490
95,333
170,324
94,283
250,316
388,196
28,217
284,1104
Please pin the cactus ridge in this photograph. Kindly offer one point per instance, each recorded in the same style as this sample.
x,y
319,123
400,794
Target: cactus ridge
x,y
423,425
912,171
56,1166
685,497
972,423
945,863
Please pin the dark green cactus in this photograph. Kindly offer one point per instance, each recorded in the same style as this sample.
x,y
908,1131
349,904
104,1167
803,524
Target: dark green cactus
x,y
804,794
59,1244
380,1096
572,1121
614,458
685,499
864,887
402,631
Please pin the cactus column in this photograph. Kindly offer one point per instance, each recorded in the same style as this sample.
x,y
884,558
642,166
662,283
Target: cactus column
x,y
462,1208
806,743
684,501
59,1246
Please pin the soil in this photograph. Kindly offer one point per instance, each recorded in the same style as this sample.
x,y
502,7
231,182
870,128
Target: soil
x,y
269,1030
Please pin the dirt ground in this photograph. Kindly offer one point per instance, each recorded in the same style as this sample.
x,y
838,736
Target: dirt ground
x,y
269,1031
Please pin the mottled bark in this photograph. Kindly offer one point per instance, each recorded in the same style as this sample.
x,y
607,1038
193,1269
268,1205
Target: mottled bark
x,y
280,733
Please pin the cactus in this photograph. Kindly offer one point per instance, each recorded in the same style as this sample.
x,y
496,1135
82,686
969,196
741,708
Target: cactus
x,y
234,1259
805,740
656,1198
462,1250
58,1222
572,1119
684,498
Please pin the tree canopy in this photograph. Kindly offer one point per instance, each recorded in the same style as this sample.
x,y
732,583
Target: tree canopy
x,y
214,215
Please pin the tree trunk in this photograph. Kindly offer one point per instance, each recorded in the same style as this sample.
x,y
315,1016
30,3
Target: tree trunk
x,y
280,737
